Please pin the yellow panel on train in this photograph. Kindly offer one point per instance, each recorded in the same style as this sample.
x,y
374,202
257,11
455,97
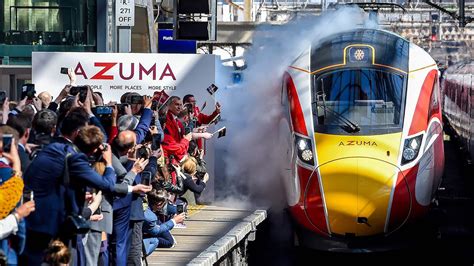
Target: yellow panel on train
x,y
357,174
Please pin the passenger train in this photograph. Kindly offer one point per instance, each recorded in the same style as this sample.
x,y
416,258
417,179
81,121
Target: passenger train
x,y
458,103
363,108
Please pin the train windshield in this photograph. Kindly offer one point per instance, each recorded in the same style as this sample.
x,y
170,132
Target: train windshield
x,y
358,100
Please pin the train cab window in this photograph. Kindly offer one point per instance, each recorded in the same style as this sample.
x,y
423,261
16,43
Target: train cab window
x,y
368,101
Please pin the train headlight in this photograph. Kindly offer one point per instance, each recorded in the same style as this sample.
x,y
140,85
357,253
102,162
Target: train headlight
x,y
304,148
411,148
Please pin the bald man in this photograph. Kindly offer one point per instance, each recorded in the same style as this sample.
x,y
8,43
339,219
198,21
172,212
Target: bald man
x,y
45,98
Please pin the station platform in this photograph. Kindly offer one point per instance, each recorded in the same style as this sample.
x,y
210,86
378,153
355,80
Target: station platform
x,y
212,234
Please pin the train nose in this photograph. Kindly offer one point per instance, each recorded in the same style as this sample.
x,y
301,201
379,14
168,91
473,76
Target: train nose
x,y
357,194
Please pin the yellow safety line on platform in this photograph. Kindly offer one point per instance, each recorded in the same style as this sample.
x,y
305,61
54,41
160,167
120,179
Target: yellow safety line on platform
x,y
193,209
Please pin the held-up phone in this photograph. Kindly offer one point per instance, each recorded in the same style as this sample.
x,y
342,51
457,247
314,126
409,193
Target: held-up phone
x,y
155,141
3,96
187,130
121,108
103,110
81,90
7,142
142,152
28,90
180,208
64,70
146,178
28,195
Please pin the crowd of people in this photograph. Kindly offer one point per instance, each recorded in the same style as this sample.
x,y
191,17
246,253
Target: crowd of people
x,y
83,183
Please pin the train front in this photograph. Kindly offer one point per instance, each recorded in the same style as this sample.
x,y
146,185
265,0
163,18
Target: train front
x,y
367,150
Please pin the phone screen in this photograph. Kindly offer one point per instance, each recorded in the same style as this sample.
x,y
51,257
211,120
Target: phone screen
x,y
180,208
146,178
64,70
7,142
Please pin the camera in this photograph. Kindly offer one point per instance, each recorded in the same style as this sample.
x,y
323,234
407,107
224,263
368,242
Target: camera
x,y
28,90
136,99
102,110
81,90
142,152
146,178
189,108
98,155
3,97
28,195
64,70
7,142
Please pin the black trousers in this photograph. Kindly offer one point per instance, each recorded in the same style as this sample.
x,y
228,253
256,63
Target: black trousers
x,y
135,251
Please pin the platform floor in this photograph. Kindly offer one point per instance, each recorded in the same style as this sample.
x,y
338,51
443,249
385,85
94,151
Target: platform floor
x,y
210,232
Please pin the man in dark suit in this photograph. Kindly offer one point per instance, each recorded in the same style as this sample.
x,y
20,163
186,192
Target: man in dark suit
x,y
22,124
45,176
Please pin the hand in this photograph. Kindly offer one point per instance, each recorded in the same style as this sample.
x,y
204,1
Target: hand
x,y
153,130
147,101
88,102
179,218
38,104
114,112
201,153
157,153
97,99
72,77
140,188
13,156
21,104
205,178
25,209
107,155
206,135
189,136
200,129
6,110
218,108
97,197
89,196
128,109
96,217
139,165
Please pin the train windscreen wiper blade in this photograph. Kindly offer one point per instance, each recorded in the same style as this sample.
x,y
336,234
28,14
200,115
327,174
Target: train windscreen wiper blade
x,y
349,126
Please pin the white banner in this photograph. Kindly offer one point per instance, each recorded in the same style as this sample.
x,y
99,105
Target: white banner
x,y
114,74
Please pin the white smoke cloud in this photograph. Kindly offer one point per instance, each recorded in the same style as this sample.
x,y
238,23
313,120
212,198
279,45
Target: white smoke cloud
x,y
252,150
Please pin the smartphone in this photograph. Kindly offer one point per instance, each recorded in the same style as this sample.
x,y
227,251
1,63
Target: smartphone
x,y
102,110
3,96
121,108
7,142
64,70
136,99
28,195
146,178
142,152
180,208
155,141
28,90
81,90
187,130
154,105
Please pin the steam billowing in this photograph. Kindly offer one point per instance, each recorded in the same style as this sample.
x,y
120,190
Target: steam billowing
x,y
253,155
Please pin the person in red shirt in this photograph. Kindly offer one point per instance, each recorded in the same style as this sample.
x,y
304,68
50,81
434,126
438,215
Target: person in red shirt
x,y
175,142
202,119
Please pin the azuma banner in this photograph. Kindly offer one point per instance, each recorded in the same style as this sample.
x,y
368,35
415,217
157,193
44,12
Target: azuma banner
x,y
114,74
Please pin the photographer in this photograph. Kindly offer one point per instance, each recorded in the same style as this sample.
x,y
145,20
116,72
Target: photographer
x,y
122,146
45,178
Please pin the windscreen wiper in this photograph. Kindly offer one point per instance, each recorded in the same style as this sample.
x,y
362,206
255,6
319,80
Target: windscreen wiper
x,y
348,126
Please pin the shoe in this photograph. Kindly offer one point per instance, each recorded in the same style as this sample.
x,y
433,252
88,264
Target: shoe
x,y
174,242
